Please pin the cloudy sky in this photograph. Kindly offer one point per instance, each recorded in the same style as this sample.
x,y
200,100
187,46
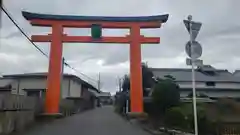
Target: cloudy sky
x,y
219,36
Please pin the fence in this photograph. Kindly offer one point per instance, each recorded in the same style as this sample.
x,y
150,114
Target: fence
x,y
229,129
66,107
11,102
17,111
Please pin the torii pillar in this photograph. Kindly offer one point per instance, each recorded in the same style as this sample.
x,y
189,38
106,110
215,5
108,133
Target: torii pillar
x,y
57,37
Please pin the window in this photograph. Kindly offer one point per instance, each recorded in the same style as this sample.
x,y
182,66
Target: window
x,y
33,93
210,83
211,73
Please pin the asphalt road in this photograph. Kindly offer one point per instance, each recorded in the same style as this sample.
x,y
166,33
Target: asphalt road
x,y
100,121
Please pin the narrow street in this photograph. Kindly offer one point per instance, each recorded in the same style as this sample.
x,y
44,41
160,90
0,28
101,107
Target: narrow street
x,y
100,121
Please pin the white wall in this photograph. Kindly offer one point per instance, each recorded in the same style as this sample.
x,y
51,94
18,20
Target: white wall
x,y
218,85
216,94
75,89
33,83
38,83
19,85
65,88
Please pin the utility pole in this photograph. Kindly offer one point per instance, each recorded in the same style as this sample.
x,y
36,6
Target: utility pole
x,y
99,81
1,27
1,14
63,61
119,84
62,74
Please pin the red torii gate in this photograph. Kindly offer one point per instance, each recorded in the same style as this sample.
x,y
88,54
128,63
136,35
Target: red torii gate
x,y
57,37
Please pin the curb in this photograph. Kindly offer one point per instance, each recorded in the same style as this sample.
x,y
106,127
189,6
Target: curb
x,y
144,128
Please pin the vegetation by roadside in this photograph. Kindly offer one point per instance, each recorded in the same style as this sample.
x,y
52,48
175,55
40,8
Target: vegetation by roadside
x,y
166,110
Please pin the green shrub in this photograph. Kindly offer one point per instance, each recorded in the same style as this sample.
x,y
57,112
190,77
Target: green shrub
x,y
204,124
228,106
174,117
165,95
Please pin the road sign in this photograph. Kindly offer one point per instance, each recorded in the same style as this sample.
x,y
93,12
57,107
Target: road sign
x,y
197,49
194,50
196,26
197,62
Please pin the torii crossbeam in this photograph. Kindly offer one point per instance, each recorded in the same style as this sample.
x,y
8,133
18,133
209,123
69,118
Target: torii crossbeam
x,y
57,37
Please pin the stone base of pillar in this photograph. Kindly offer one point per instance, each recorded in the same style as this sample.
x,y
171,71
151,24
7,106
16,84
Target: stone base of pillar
x,y
137,115
49,116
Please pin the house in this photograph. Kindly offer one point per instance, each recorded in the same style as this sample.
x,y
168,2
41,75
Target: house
x,y
5,86
236,73
105,98
211,82
72,88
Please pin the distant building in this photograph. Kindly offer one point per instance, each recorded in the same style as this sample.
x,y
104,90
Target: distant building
x,y
236,73
34,84
211,82
105,98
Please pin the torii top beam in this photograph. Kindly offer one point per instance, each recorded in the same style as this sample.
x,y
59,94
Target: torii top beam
x,y
106,22
87,22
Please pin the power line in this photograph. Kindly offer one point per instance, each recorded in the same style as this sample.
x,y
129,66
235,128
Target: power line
x,y
25,35
99,81
43,53
66,64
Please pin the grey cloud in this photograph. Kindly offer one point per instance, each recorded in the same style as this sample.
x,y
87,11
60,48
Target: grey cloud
x,y
109,81
218,36
21,64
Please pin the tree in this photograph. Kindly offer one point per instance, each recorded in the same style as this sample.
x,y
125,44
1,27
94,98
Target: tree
x,y
120,102
147,80
169,77
147,74
165,95
126,83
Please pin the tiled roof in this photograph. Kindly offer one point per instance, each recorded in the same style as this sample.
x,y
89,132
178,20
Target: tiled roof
x,y
185,75
105,94
237,73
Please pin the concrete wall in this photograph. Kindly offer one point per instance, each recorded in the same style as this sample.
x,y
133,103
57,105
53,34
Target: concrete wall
x,y
15,121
